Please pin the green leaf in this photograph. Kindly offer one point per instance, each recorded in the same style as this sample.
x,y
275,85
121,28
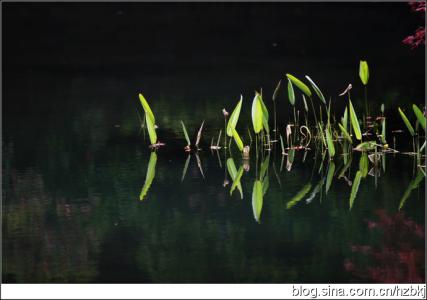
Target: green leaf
x,y
185,134
257,115
330,142
147,108
298,196
199,134
345,133
383,132
291,93
412,185
355,122
151,129
184,171
420,116
236,181
281,144
231,167
257,199
316,90
232,171
265,116
151,172
265,185
344,119
365,146
345,168
407,123
330,176
364,164
364,72
322,135
264,166
355,188
299,84
276,90
232,122
238,140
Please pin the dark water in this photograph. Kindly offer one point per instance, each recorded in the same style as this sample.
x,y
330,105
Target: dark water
x,y
74,160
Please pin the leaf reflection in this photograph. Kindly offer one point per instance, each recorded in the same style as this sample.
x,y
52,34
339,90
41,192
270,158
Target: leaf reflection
x,y
151,172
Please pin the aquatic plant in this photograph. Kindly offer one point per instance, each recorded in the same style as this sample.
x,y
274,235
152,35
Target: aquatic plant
x,y
364,77
188,147
299,196
260,188
149,117
151,173
412,186
231,125
354,121
232,171
199,135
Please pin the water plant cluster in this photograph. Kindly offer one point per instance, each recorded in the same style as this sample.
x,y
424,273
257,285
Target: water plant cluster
x,y
318,128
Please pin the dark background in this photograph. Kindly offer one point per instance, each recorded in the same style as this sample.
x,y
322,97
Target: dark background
x,y
210,38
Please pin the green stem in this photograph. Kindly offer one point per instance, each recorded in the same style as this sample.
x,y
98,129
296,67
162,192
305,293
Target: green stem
x,y
225,131
314,111
366,102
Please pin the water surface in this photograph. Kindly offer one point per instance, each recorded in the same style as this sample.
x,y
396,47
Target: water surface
x,y
75,160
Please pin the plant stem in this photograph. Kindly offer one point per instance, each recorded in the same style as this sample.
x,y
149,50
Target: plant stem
x,y
366,102
314,111
225,131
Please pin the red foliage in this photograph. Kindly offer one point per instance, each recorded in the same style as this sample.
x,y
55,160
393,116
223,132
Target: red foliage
x,y
418,38
400,256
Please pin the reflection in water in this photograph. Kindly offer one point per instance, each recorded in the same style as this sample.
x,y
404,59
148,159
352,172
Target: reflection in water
x,y
54,233
398,255
151,173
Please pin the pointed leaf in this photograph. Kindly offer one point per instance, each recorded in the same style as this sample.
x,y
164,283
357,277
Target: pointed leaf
x,y
345,133
151,129
236,181
291,93
330,142
265,116
412,185
147,108
407,123
265,185
316,89
238,140
184,171
355,188
185,133
276,90
257,114
199,134
232,122
151,172
364,164
299,84
364,72
345,119
257,199
298,196
330,176
355,122
420,116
